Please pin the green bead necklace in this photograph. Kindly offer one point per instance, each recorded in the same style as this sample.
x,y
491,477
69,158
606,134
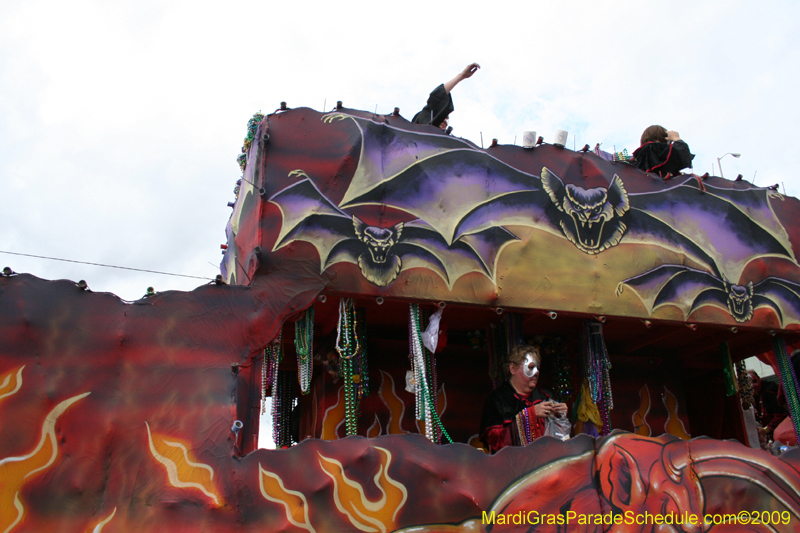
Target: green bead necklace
x,y
303,344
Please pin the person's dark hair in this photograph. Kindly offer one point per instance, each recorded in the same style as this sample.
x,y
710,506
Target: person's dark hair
x,y
654,134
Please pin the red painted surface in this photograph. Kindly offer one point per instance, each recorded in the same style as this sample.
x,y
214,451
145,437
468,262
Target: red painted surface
x,y
158,375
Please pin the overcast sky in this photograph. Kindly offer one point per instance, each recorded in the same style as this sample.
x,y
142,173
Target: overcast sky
x,y
120,122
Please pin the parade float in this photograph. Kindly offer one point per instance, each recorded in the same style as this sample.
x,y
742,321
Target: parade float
x,y
375,277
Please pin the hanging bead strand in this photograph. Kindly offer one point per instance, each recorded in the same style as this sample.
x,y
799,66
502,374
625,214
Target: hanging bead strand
x,y
348,346
426,409
745,387
423,406
789,380
597,365
276,352
304,346
362,356
282,403
562,383
266,377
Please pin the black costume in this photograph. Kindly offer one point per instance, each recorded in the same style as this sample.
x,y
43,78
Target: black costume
x,y
439,106
663,158
769,411
499,424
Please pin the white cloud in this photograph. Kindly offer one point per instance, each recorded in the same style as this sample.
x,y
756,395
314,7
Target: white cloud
x,y
120,123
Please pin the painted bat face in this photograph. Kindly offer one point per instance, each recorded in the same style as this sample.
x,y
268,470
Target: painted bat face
x,y
740,301
591,219
379,241
379,264
590,212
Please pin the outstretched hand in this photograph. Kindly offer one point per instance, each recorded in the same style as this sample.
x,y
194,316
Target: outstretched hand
x,y
469,70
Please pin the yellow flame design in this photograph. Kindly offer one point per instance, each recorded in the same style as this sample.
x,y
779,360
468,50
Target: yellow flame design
x,y
331,117
183,471
10,383
397,409
373,517
15,470
294,503
100,525
639,417
673,425
334,417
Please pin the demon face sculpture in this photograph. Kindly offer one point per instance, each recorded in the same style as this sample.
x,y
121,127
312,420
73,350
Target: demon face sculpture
x,y
590,219
379,264
740,301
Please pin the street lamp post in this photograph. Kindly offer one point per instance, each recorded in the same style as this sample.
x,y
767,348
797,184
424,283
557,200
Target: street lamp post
x,y
721,175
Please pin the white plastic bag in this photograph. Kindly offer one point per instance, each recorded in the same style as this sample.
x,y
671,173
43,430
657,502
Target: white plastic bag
x,y
558,427
430,337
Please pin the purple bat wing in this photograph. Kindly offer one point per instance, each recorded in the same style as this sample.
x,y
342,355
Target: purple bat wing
x,y
672,285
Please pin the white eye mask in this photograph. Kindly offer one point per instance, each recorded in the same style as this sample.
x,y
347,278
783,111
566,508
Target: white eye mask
x,y
529,372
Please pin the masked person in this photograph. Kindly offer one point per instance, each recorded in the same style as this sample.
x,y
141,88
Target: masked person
x,y
662,152
515,413
440,103
769,412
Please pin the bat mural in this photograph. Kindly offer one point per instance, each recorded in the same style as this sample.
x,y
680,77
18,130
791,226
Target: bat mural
x,y
714,227
460,190
689,289
380,253
455,209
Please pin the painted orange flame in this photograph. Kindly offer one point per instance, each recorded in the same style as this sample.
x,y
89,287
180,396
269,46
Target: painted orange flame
x,y
15,470
639,417
334,417
397,409
674,425
294,503
183,471
371,516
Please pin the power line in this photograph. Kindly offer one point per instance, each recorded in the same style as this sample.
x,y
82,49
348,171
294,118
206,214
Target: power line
x,y
107,266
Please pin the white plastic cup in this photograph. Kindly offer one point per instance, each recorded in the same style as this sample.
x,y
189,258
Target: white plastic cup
x,y
560,138
529,139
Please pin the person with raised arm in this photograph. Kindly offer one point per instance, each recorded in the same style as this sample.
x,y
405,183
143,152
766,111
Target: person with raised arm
x,y
440,103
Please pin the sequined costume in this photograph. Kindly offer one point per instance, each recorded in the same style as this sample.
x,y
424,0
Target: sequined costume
x,y
509,419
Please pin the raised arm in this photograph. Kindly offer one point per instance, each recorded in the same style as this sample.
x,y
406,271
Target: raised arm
x,y
468,71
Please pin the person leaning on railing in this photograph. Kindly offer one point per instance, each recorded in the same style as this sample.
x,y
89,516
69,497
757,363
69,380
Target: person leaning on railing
x,y
663,152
